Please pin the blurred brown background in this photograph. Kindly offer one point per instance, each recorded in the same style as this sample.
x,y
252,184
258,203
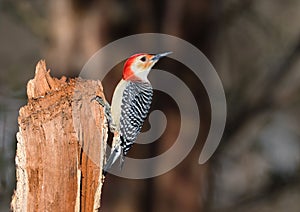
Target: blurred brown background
x,y
254,46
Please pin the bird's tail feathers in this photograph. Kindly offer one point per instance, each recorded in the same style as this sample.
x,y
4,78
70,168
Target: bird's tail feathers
x,y
121,161
115,154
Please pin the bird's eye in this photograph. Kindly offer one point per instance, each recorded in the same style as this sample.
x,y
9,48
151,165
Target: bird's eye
x,y
143,59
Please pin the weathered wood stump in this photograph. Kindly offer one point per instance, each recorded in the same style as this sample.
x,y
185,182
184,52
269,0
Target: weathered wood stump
x,y
61,144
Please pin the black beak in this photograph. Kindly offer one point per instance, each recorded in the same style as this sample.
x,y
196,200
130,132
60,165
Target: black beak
x,y
158,56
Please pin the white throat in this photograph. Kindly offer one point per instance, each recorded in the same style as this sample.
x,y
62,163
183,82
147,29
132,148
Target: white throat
x,y
143,75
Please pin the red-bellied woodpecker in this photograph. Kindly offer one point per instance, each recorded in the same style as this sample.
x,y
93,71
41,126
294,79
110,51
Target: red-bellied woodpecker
x,y
130,104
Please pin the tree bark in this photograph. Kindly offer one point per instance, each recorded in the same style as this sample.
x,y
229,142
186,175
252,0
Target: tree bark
x,y
61,145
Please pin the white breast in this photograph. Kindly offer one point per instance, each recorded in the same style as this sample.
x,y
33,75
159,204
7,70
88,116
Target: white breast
x,y
117,101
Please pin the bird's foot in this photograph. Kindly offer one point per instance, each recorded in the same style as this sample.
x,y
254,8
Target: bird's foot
x,y
99,100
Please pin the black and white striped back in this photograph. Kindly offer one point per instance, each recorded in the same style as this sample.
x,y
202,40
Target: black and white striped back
x,y
136,102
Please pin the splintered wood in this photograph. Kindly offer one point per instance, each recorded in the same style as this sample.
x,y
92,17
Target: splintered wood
x,y
61,145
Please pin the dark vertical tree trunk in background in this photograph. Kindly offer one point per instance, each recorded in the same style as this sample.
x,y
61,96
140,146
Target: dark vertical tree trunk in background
x,y
61,144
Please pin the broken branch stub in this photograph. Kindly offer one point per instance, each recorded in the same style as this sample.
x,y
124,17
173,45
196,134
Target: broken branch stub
x,y
61,144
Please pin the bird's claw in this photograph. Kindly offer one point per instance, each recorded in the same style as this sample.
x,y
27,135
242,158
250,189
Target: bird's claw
x,y
99,100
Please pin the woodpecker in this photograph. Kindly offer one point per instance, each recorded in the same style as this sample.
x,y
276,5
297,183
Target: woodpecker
x,y
130,105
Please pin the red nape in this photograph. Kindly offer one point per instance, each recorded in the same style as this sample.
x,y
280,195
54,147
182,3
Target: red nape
x,y
127,72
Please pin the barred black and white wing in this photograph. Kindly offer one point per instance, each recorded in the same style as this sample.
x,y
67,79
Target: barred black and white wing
x,y
136,102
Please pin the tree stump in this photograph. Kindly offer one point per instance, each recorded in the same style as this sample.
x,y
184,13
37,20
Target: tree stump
x,y
61,145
